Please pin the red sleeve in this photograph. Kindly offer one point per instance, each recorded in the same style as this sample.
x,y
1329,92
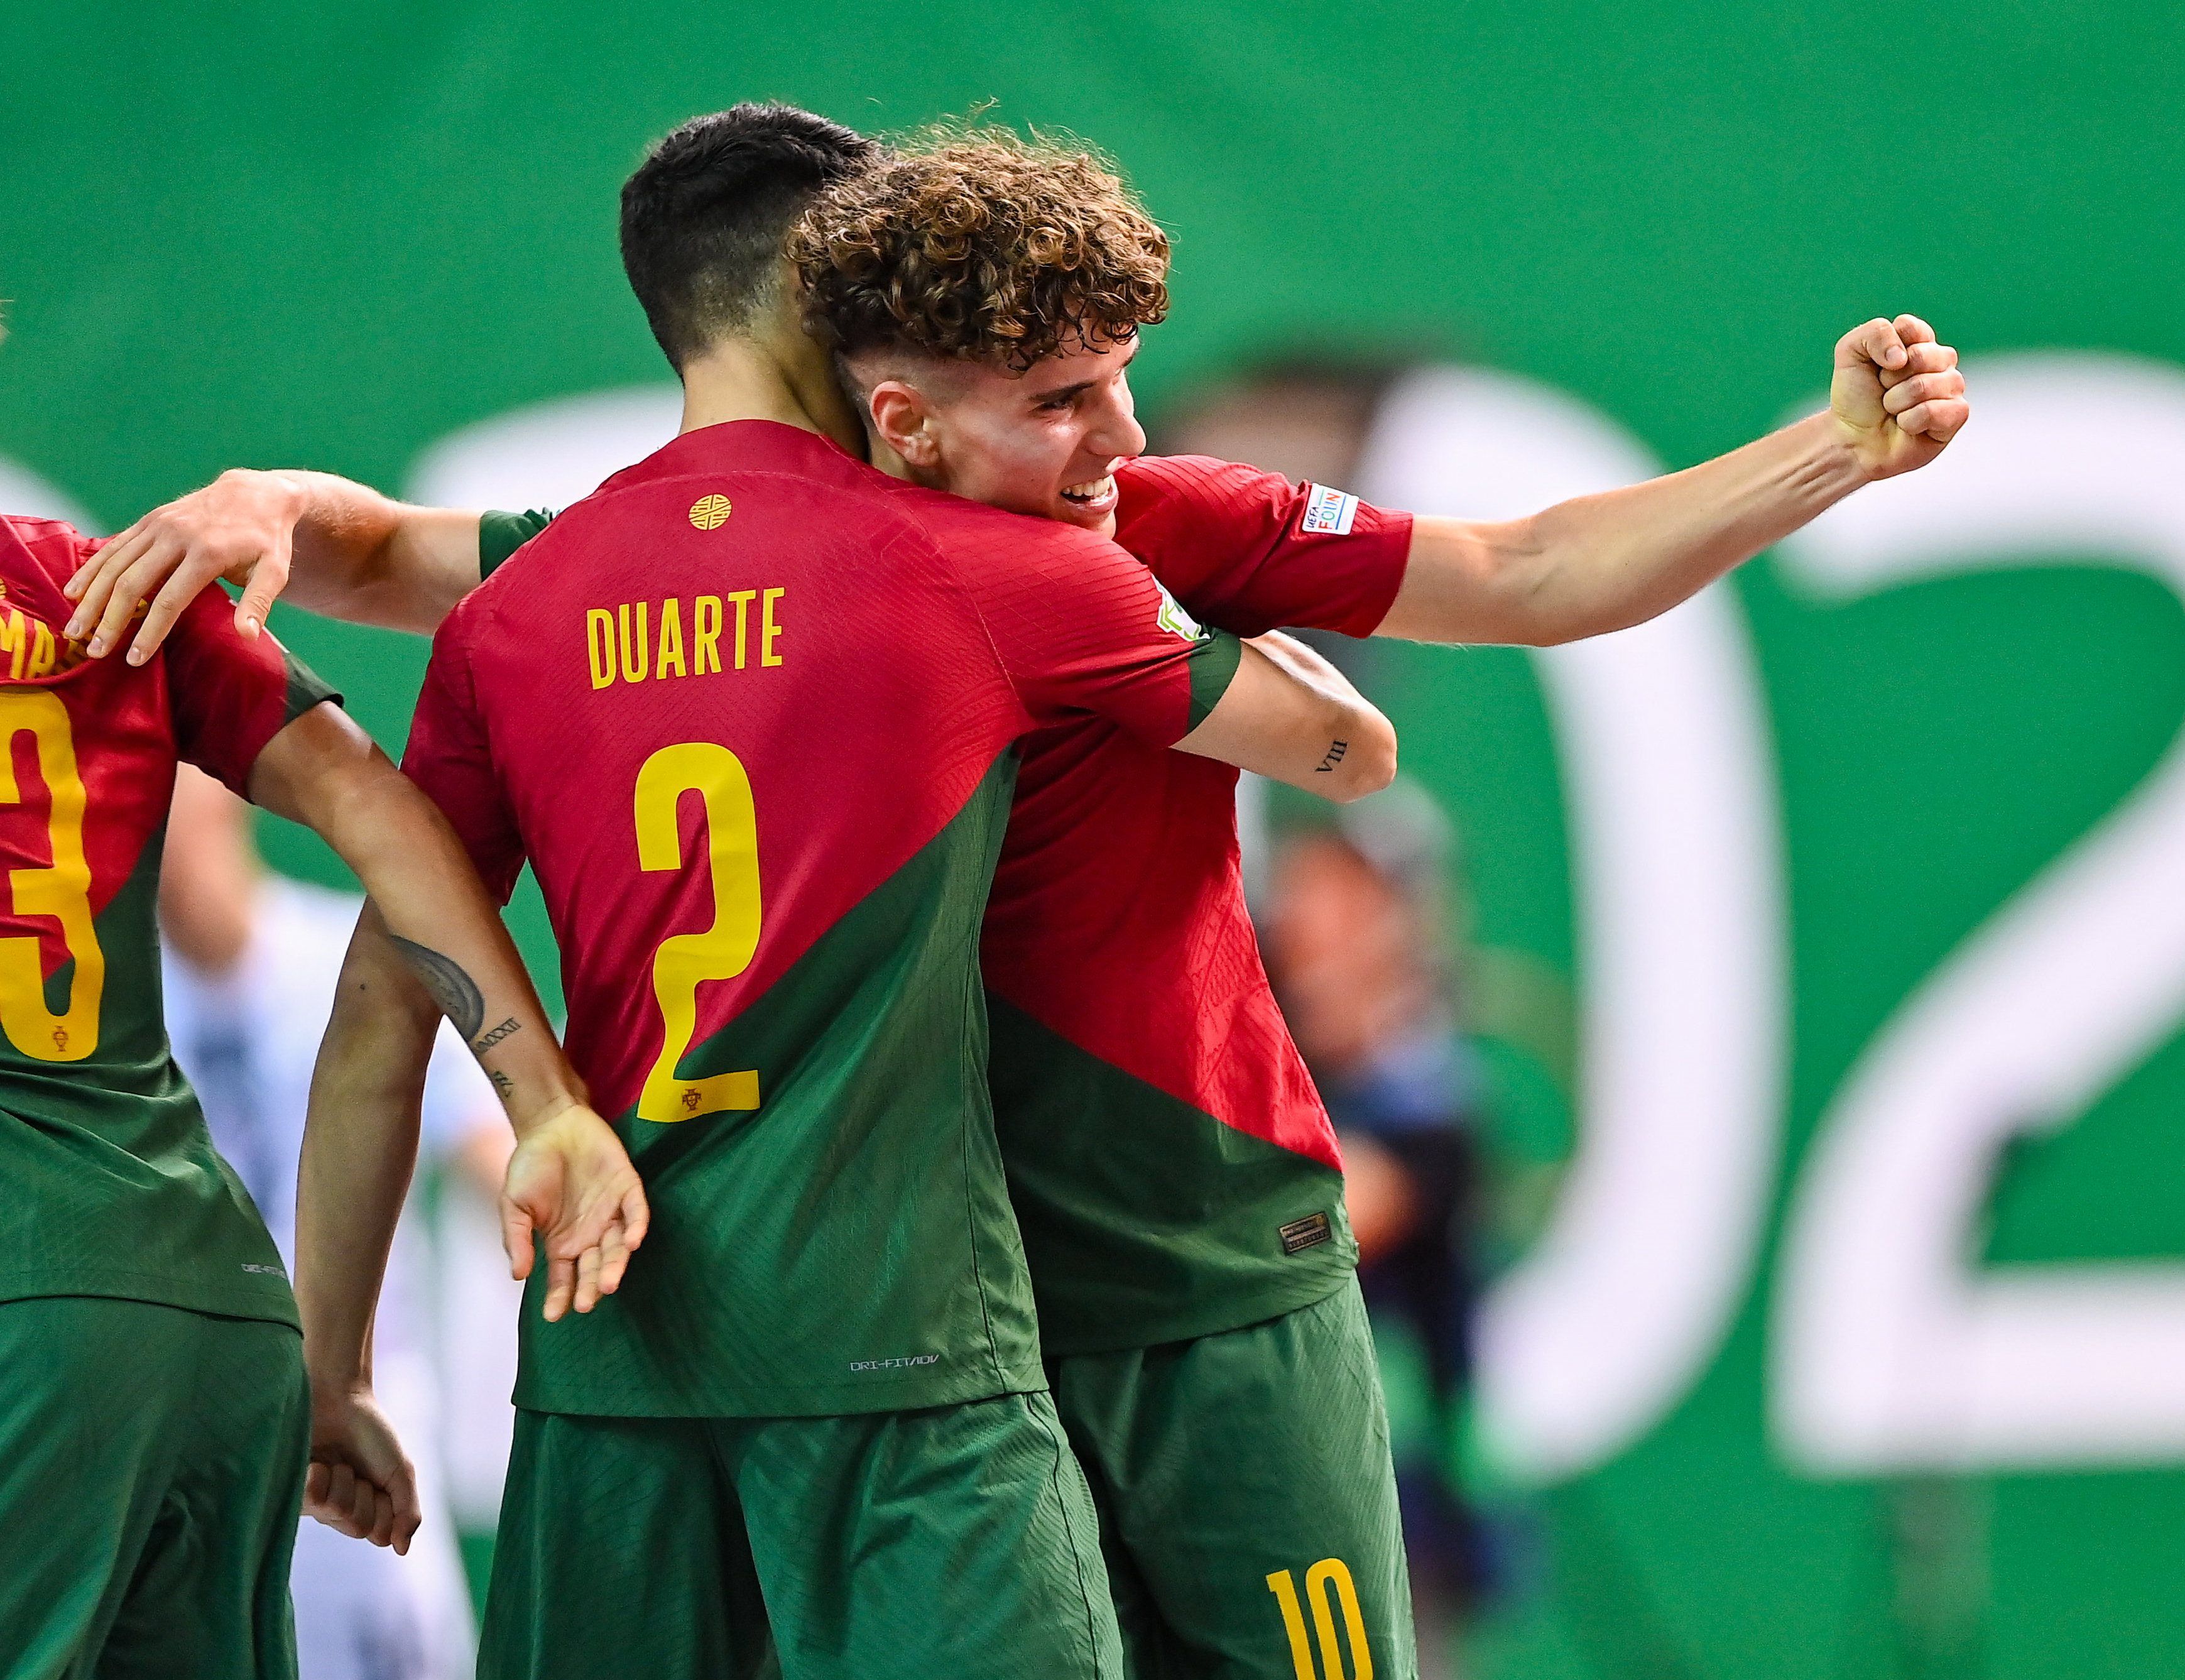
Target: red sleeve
x,y
1252,551
1080,627
229,695
449,758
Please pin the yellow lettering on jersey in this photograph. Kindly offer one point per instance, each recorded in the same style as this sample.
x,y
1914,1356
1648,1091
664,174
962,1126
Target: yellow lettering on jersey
x,y
635,665
725,948
620,647
767,628
41,651
706,634
743,598
671,637
598,645
62,891
16,640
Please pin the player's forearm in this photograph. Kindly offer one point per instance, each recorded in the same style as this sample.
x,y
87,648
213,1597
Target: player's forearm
x,y
1606,562
364,558
360,1149
325,773
1290,715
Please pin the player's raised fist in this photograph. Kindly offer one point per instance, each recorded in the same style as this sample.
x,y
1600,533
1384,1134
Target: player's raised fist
x,y
1898,394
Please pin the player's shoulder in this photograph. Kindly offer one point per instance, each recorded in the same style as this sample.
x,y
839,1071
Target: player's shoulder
x,y
49,550
976,533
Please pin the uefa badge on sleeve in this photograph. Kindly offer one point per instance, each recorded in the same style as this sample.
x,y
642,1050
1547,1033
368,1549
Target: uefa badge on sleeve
x,y
1327,513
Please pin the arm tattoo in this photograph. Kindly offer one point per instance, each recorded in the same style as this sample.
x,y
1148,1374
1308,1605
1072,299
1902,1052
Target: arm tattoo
x,y
1335,752
454,991
503,1084
507,1029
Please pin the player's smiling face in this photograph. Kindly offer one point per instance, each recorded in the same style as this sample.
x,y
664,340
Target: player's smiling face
x,y
1046,442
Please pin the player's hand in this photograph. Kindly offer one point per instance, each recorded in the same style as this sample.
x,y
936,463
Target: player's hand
x,y
359,1481
571,1186
1897,394
241,527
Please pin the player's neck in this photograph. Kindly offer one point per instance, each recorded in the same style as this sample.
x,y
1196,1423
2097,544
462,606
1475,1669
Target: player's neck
x,y
746,379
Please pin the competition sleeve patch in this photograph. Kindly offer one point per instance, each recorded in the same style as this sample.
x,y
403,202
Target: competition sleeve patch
x,y
1327,513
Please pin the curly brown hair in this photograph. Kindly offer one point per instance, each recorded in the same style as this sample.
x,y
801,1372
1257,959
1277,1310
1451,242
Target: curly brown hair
x,y
981,247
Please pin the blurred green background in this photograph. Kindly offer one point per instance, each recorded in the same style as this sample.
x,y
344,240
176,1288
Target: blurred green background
x,y
329,235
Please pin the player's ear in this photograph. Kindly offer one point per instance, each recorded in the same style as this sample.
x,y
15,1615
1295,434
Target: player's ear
x,y
903,421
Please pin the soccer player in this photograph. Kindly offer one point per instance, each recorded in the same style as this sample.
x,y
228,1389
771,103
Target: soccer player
x,y
1160,1131
750,713
155,1418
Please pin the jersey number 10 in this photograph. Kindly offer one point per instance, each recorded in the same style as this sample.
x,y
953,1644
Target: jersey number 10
x,y
725,950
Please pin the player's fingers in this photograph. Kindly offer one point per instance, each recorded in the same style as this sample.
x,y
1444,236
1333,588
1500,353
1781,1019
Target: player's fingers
x,y
108,566
516,1238
560,1285
316,1479
129,589
383,1518
1875,341
636,1215
1930,358
614,1258
1909,394
266,582
587,1280
409,1510
1940,419
1913,330
175,594
99,571
340,1499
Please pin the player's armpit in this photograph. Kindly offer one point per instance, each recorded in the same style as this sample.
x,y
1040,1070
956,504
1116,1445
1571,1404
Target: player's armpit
x,y
1288,714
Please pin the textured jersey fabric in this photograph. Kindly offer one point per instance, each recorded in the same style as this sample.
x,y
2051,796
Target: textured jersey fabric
x,y
108,1183
1173,1171
1172,1168
749,712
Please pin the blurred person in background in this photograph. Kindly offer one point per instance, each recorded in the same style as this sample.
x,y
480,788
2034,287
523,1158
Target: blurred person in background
x,y
250,964
1358,947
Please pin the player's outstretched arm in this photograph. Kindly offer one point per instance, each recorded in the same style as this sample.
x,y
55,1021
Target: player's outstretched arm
x,y
1289,714
1605,562
430,943
333,547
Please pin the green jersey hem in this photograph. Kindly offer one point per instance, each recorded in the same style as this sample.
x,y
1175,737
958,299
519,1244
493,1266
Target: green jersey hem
x,y
268,1300
539,1391
500,534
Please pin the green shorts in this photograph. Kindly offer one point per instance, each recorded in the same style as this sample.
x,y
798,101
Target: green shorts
x,y
1248,1503
151,1475
957,1541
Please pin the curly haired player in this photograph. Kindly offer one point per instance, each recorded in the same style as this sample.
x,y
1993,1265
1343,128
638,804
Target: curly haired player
x,y
1171,1166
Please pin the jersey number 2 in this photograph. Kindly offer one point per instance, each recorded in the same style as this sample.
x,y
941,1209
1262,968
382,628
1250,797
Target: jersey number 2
x,y
62,891
725,950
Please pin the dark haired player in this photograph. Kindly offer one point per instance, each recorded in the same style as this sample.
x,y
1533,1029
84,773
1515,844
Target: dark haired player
x,y
154,1418
1160,1131
750,713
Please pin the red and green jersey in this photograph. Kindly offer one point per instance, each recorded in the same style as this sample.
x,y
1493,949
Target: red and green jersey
x,y
1173,1170
108,1183
750,712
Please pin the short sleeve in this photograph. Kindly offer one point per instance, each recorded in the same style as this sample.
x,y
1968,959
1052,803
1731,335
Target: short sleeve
x,y
500,534
448,759
1253,551
1082,628
230,694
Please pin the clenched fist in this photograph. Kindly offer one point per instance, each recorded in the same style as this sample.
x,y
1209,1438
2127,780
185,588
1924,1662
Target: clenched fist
x,y
1897,394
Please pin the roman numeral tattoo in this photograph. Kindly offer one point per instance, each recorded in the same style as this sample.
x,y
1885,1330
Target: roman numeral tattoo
x,y
1335,752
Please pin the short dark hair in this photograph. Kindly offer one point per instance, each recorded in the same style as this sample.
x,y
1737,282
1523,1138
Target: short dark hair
x,y
705,216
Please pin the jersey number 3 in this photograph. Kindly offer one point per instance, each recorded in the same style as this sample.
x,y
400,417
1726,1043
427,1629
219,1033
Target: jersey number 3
x,y
62,891
725,950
